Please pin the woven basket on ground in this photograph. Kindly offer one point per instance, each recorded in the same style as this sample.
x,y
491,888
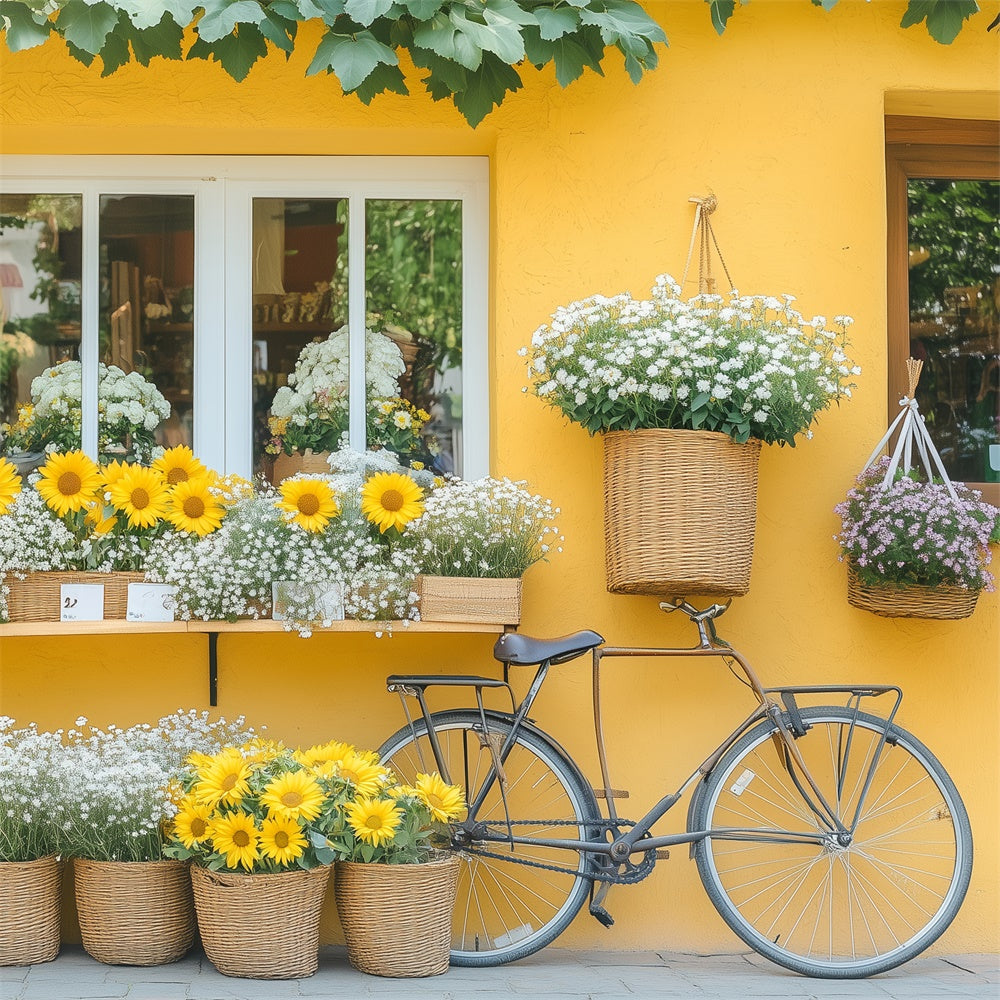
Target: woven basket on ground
x,y
680,512
134,912
469,599
36,598
261,926
891,601
30,892
308,461
397,918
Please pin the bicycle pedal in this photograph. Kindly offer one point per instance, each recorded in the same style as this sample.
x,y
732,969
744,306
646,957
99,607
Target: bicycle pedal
x,y
601,915
616,793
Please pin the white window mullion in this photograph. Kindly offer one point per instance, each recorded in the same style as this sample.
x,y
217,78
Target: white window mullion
x,y
238,322
356,316
90,319
475,333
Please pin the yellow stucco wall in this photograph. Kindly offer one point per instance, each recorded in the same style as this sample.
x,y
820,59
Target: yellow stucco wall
x,y
782,118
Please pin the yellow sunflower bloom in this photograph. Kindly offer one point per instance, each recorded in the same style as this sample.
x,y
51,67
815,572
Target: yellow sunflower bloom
x,y
178,465
192,507
444,801
312,502
391,500
113,471
282,840
237,837
69,482
10,484
192,823
322,753
142,495
366,776
102,519
223,781
295,795
374,821
260,750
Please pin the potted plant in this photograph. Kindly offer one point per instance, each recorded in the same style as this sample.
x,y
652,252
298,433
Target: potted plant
x,y
395,890
915,548
248,818
30,868
134,907
473,543
309,416
684,392
77,522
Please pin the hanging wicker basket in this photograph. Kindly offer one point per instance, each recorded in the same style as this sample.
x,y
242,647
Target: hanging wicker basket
x,y
261,926
36,598
134,912
311,462
397,918
891,601
469,599
30,892
680,512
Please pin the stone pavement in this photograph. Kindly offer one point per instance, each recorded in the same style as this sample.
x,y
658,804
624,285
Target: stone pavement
x,y
554,974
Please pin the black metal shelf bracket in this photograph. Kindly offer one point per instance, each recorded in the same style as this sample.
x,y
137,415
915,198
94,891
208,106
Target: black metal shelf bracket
x,y
213,668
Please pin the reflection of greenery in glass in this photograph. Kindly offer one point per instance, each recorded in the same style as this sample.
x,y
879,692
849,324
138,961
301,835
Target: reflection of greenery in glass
x,y
954,280
413,272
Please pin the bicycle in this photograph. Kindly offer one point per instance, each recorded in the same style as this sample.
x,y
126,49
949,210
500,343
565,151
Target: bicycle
x,y
830,840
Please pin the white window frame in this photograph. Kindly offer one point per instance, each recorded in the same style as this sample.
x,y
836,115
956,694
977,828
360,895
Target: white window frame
x,y
224,188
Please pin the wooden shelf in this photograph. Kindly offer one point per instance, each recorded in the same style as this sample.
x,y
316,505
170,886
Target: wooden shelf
x,y
119,627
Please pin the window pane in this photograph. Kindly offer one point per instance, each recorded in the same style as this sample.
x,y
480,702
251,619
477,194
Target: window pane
x,y
954,279
147,323
300,350
40,269
413,283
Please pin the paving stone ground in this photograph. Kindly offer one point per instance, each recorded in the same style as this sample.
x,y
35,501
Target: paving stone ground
x,y
554,974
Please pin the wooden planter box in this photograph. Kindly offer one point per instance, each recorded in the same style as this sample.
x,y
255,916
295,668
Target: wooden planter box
x,y
469,599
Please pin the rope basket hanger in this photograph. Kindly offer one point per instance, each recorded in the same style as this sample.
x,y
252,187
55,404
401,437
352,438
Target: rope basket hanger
x,y
704,235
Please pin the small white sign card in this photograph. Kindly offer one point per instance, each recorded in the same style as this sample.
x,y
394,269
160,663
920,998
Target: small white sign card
x,y
81,602
325,600
150,602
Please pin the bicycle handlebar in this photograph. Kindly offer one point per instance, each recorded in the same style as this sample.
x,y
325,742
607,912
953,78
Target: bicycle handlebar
x,y
711,612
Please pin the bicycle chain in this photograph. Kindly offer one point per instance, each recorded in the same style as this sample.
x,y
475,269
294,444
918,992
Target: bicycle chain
x,y
633,873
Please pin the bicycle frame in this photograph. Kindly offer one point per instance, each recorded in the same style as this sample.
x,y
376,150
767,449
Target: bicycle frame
x,y
637,839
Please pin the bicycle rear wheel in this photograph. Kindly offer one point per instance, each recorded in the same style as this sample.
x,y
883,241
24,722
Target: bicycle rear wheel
x,y
827,909
511,906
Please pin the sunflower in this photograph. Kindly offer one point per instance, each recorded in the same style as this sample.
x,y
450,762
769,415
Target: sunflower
x,y
69,481
224,780
444,801
237,837
366,776
141,494
192,507
192,823
374,821
295,795
312,502
113,471
260,750
178,465
391,500
324,753
10,484
282,840
100,518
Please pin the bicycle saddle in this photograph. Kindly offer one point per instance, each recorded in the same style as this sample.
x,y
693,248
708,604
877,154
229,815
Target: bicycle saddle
x,y
513,647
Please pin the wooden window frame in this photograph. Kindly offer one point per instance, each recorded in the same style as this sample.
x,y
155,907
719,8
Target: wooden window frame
x,y
925,148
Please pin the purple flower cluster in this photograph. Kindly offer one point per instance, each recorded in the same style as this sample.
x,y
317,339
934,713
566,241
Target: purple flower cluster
x,y
913,532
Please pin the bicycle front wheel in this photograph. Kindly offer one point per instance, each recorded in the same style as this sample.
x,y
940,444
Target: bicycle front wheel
x,y
826,908
515,902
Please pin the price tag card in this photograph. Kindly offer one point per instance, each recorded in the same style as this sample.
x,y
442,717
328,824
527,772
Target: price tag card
x,y
81,602
150,602
322,601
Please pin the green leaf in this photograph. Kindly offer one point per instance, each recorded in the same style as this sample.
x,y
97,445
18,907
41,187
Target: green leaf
x,y
328,10
554,24
421,10
622,19
487,87
352,58
722,11
366,11
144,14
944,17
445,79
442,37
116,52
86,25
163,39
571,59
23,31
383,78
222,16
502,38
825,4
279,31
236,54
701,401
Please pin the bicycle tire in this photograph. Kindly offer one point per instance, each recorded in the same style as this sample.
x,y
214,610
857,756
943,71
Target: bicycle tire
x,y
838,912
506,910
